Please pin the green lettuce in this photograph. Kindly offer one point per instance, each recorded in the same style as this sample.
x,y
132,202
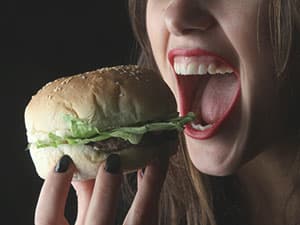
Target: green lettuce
x,y
82,132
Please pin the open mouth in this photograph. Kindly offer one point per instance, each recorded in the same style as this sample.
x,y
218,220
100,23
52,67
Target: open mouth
x,y
208,86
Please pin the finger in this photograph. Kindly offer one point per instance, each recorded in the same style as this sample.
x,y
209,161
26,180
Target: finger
x,y
54,192
145,204
84,190
103,204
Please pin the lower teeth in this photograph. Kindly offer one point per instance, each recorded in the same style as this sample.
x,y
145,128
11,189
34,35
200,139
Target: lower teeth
x,y
200,127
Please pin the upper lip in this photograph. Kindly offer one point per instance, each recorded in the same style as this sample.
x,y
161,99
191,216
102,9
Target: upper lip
x,y
189,52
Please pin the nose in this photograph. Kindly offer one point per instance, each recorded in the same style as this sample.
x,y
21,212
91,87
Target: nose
x,y
185,16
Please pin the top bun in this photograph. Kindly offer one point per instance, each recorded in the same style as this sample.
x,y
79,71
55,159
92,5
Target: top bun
x,y
106,98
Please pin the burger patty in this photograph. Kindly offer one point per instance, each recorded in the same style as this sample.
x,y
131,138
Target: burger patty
x,y
116,144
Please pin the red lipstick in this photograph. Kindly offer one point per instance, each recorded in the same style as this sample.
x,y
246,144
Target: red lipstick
x,y
211,97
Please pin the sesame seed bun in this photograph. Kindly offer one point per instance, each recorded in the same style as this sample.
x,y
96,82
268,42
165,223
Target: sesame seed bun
x,y
107,98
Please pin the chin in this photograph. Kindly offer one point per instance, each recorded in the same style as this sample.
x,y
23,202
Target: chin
x,y
214,157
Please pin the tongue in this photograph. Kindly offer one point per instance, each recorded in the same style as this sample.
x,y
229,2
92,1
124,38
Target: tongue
x,y
216,98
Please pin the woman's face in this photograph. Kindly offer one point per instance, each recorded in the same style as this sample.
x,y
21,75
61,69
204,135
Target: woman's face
x,y
210,54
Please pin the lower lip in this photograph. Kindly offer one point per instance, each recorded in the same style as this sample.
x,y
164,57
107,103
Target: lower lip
x,y
211,131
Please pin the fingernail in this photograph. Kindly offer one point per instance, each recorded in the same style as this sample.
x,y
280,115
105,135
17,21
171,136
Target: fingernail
x,y
143,172
63,164
113,164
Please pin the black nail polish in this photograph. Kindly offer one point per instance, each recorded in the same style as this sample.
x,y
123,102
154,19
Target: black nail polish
x,y
63,164
113,163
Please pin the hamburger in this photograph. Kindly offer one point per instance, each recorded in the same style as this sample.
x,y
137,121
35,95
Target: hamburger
x,y
126,110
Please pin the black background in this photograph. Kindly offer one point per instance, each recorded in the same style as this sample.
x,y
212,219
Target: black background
x,y
41,41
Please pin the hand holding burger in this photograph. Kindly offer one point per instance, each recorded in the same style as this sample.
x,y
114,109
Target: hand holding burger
x,y
125,110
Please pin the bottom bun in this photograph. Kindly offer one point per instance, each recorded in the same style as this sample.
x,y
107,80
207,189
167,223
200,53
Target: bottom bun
x,y
87,160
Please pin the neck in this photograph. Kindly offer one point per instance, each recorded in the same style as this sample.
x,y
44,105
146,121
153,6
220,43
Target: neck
x,y
268,181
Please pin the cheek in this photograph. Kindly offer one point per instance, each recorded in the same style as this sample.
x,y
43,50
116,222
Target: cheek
x,y
159,37
155,28
258,81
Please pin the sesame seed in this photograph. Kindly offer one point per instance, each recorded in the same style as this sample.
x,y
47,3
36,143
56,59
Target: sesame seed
x,y
57,89
69,79
48,84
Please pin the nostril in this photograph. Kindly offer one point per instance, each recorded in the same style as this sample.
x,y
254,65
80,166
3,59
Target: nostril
x,y
182,17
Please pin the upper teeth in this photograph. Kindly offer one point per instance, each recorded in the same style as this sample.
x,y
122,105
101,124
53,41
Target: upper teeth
x,y
197,68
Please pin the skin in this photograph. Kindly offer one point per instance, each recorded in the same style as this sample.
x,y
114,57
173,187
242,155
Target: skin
x,y
97,199
214,27
229,29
